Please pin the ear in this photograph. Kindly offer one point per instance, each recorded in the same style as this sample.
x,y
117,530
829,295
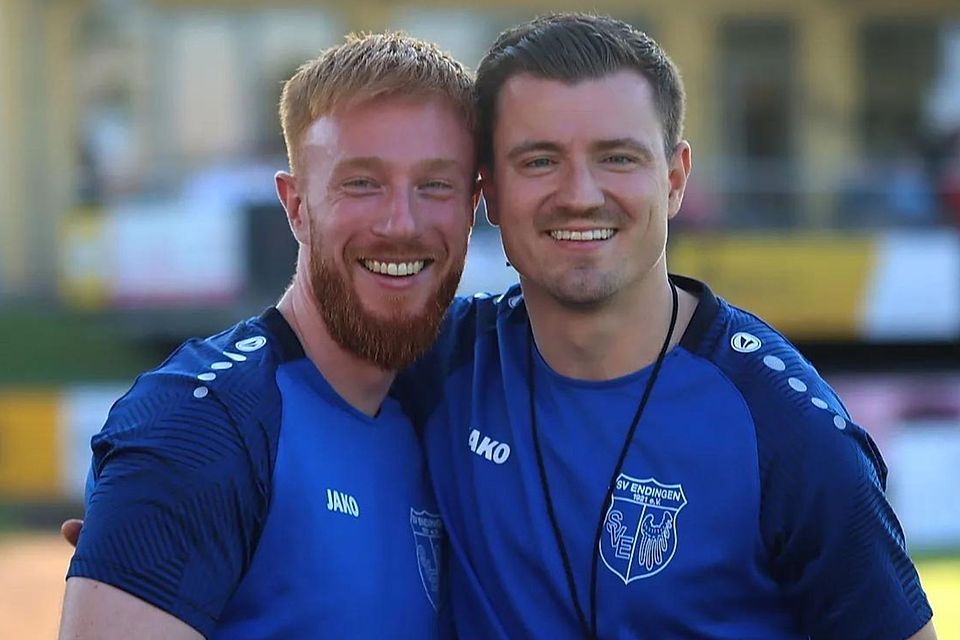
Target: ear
x,y
475,198
489,193
681,163
294,206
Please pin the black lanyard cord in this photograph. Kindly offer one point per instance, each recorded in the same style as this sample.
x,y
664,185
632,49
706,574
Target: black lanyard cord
x,y
545,485
590,630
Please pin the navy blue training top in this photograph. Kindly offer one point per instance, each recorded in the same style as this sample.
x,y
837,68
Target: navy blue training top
x,y
749,506
235,489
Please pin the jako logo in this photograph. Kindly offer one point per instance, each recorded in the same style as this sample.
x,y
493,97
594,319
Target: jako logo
x,y
343,503
488,448
745,342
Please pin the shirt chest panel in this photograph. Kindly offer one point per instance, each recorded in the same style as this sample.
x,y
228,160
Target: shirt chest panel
x,y
351,539
691,469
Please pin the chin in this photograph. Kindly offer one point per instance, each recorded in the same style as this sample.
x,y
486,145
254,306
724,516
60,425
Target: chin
x,y
395,307
581,299
582,292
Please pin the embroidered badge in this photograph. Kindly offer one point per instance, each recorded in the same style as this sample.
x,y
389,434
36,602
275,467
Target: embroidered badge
x,y
428,537
639,536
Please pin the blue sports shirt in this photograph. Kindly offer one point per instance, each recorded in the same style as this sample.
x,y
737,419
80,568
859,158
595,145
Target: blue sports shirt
x,y
235,489
749,506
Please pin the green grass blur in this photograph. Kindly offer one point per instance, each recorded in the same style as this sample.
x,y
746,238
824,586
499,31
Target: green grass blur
x,y
50,347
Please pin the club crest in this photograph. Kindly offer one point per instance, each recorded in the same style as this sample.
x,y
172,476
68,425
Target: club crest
x,y
428,536
639,536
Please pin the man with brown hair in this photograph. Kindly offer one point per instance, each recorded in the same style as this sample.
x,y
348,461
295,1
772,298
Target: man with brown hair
x,y
617,452
259,483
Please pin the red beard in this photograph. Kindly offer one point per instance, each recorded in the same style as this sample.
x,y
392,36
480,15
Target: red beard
x,y
390,342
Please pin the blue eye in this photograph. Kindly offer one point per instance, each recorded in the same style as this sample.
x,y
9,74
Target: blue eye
x,y
360,183
620,159
538,163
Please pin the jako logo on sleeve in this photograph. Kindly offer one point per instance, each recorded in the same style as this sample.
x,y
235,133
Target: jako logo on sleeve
x,y
488,448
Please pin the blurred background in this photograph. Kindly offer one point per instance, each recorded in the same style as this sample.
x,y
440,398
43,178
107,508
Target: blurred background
x,y
138,142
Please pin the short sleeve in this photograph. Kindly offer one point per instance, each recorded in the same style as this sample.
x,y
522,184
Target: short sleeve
x,y
175,505
836,546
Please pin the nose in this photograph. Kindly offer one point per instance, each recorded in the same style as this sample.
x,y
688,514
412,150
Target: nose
x,y
579,190
400,220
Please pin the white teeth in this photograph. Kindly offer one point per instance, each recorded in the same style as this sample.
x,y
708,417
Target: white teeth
x,y
582,236
396,269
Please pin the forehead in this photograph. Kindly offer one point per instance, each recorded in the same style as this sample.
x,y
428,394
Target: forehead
x,y
616,105
396,129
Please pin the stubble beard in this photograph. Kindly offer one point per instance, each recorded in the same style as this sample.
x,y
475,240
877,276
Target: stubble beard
x,y
390,342
582,289
581,286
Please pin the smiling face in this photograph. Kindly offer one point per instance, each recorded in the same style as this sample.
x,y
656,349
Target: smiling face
x,y
581,186
387,187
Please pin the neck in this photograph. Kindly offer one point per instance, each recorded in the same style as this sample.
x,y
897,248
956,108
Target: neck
x,y
614,338
362,384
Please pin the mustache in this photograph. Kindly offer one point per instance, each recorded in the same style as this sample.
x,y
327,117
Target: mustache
x,y
401,250
599,216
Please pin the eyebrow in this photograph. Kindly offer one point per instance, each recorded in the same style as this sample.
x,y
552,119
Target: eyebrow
x,y
528,146
359,163
375,163
624,143
441,164
632,144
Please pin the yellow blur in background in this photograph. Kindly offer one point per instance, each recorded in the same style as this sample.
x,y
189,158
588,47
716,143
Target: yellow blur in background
x,y
28,444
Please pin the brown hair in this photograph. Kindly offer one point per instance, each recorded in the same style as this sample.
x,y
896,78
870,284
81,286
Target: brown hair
x,y
571,47
366,67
